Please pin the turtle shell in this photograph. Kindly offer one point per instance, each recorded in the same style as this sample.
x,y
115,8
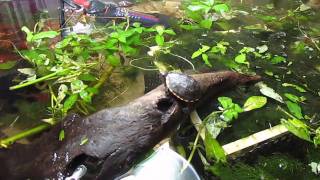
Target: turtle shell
x,y
183,87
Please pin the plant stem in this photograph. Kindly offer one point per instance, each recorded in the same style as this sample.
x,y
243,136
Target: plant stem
x,y
36,80
104,77
10,140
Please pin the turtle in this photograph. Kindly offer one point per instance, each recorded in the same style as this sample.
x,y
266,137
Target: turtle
x,y
182,86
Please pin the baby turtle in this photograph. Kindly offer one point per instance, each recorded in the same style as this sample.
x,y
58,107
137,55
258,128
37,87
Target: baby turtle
x,y
182,86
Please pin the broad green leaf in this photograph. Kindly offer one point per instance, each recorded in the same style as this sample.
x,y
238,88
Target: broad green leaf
x,y
7,65
205,58
292,97
242,59
69,102
316,139
269,92
214,149
298,128
221,8
169,31
206,23
159,40
113,60
278,59
214,124
43,35
254,102
298,88
200,51
226,102
295,109
65,42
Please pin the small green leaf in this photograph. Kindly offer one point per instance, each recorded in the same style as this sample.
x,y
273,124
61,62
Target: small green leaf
x,y
295,109
221,8
159,40
205,58
226,102
69,102
206,23
292,97
278,59
87,77
85,96
214,149
77,86
254,102
7,65
84,140
113,60
61,135
298,128
28,32
169,31
242,59
299,88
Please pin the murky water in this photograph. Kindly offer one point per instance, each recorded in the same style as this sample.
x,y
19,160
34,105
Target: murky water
x,y
302,69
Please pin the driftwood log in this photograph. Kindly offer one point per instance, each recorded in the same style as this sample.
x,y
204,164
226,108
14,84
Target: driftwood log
x,y
111,139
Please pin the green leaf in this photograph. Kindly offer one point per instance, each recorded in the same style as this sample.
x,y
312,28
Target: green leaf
x,y
77,86
226,102
292,97
160,30
278,59
298,128
221,8
7,65
69,102
28,32
85,96
61,135
242,59
43,35
87,77
299,88
206,23
205,58
65,42
254,102
84,140
159,40
214,149
269,92
197,7
113,60
169,31
295,109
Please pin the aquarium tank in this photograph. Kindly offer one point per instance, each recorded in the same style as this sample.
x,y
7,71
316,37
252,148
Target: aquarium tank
x,y
93,89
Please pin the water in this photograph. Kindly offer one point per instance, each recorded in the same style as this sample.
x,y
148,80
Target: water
x,y
300,68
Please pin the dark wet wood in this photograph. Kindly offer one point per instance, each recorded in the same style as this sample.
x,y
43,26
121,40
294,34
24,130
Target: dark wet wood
x,y
115,137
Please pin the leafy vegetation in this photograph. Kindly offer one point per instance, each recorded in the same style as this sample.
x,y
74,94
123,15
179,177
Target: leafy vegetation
x,y
279,44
